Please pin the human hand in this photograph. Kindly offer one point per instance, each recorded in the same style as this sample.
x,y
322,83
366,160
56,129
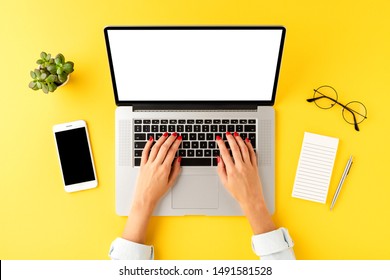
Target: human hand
x,y
156,173
155,177
240,177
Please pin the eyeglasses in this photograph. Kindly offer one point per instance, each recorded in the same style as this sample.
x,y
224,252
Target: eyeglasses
x,y
325,97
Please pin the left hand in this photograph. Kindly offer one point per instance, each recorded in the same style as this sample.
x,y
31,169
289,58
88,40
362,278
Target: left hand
x,y
156,173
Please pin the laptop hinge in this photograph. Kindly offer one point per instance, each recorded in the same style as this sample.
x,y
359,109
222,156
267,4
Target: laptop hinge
x,y
194,106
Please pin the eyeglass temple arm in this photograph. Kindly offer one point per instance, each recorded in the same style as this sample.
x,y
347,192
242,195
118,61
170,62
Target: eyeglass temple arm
x,y
345,107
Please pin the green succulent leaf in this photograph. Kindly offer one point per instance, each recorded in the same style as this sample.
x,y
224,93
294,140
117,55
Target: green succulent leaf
x,y
32,85
62,78
43,55
45,88
43,76
68,67
33,75
40,61
39,85
51,79
60,59
59,70
52,69
48,56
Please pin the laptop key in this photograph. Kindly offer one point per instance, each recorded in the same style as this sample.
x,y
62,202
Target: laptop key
x,y
163,128
180,128
205,128
190,153
138,128
137,161
199,153
225,121
154,128
195,162
137,121
146,128
139,144
250,128
252,138
251,121
155,121
137,153
207,153
139,136
184,136
182,153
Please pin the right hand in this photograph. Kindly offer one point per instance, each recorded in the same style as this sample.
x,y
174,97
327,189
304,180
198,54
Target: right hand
x,y
240,177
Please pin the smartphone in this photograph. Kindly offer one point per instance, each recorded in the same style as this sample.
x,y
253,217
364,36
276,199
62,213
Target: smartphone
x,y
75,156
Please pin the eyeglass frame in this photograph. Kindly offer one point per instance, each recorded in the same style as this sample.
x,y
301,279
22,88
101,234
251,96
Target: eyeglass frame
x,y
342,105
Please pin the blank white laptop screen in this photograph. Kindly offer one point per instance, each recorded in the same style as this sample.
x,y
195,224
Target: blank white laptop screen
x,y
195,65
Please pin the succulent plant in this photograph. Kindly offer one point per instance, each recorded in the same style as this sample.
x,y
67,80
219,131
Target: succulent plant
x,y
51,72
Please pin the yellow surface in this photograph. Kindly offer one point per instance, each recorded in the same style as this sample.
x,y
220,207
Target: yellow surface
x,y
342,43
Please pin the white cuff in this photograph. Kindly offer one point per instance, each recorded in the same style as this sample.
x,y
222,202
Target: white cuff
x,y
122,249
271,242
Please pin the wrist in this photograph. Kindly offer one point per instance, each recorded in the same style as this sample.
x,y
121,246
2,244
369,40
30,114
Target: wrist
x,y
258,217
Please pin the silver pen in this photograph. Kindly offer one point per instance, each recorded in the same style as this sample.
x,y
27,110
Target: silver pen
x,y
345,173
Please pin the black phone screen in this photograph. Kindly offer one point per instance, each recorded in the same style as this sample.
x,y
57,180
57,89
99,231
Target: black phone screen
x,y
75,157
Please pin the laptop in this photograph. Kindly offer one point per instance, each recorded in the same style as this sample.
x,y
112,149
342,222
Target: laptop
x,y
200,82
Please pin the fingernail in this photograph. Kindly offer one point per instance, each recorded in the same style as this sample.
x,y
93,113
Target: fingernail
x,y
235,134
174,134
218,137
228,133
179,138
247,140
179,159
165,134
150,138
218,159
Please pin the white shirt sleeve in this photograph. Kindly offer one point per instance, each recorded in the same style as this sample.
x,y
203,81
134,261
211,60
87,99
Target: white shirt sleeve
x,y
122,249
274,245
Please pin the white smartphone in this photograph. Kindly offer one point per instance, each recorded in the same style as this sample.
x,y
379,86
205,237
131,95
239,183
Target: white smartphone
x,y
75,156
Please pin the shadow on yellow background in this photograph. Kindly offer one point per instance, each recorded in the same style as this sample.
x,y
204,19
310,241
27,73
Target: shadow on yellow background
x,y
342,43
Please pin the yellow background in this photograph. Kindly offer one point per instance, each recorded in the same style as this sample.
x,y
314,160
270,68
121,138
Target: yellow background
x,y
342,43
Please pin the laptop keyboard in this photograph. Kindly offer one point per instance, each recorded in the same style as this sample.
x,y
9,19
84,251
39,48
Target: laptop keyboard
x,y
198,147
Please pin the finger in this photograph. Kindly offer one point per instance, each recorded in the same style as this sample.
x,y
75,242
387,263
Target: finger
x,y
164,148
222,171
145,152
244,149
234,147
224,152
157,145
172,151
252,153
175,171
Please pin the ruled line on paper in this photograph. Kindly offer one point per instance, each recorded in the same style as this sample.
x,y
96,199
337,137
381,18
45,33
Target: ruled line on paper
x,y
315,167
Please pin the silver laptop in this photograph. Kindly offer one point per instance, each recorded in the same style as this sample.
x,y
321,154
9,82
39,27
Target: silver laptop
x,y
200,82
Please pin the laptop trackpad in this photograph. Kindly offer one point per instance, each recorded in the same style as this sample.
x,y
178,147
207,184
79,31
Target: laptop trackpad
x,y
191,191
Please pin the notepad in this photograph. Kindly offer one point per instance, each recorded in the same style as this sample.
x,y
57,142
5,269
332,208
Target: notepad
x,y
315,167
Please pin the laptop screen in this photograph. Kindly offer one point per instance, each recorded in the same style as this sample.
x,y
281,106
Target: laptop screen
x,y
194,63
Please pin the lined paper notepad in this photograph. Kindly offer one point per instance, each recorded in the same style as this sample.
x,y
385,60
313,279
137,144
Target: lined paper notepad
x,y
315,167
